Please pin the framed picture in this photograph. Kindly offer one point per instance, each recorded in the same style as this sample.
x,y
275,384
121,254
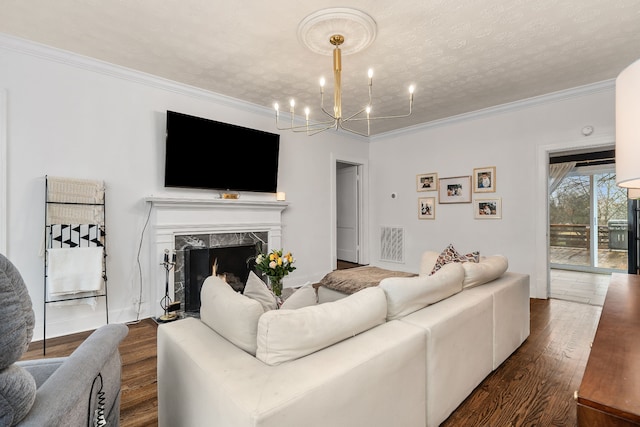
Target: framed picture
x,y
456,189
484,180
427,182
487,208
426,208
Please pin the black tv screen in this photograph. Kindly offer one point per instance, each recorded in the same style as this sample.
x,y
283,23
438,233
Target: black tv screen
x,y
204,153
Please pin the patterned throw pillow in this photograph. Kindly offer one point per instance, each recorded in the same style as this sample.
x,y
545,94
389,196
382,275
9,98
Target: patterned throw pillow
x,y
449,254
472,256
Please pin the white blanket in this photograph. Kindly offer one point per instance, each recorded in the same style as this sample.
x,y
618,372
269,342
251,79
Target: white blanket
x,y
74,270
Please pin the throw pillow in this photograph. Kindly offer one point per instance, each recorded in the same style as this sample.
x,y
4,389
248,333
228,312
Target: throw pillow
x,y
231,314
17,394
285,335
256,289
303,297
17,318
450,254
408,294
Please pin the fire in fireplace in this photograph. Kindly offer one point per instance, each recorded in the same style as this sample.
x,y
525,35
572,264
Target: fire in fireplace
x,y
231,262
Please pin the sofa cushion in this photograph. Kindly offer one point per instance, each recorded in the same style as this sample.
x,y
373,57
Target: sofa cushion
x,y
303,297
450,254
17,394
256,289
285,335
488,269
230,314
408,294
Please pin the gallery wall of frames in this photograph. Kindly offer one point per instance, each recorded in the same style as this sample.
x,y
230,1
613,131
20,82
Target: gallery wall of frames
x,y
479,189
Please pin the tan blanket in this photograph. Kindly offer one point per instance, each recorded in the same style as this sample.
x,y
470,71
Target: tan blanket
x,y
352,280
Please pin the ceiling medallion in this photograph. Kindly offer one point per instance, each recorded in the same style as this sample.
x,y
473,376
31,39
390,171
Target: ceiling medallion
x,y
355,26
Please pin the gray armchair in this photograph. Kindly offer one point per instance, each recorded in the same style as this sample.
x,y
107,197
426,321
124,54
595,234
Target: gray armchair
x,y
80,390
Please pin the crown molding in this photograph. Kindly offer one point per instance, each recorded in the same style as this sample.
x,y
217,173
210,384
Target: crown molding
x,y
49,53
603,86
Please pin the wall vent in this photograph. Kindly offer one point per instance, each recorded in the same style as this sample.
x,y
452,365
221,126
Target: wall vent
x,y
392,244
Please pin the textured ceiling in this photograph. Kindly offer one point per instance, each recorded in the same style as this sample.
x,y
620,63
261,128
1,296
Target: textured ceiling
x,y
462,55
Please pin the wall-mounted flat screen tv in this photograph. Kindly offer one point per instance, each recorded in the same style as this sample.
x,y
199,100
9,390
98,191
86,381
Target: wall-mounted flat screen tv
x,y
204,153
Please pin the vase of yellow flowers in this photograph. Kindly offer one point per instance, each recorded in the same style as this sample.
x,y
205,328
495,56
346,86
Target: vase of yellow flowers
x,y
275,265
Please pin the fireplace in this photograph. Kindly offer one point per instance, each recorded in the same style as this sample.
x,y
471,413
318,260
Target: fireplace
x,y
196,253
181,223
233,263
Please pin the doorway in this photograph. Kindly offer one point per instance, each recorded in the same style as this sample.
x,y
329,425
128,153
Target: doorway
x,y
347,212
587,227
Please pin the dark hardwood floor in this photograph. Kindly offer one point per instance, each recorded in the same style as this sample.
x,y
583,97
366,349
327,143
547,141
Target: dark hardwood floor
x,y
534,387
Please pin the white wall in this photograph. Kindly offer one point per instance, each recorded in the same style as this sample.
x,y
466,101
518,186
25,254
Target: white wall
x,y
515,139
73,117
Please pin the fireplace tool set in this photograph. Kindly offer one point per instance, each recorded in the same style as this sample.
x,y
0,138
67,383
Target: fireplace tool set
x,y
166,302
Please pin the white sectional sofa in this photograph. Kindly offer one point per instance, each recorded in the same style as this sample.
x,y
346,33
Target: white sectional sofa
x,y
406,352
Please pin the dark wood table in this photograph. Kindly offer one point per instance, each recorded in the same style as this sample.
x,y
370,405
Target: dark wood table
x,y
609,394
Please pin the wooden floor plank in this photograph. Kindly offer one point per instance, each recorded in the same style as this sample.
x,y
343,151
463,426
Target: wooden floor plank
x,y
533,387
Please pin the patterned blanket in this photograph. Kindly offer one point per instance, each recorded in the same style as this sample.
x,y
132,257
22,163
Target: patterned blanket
x,y
352,280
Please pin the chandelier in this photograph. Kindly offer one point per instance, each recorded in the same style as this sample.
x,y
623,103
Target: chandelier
x,y
334,118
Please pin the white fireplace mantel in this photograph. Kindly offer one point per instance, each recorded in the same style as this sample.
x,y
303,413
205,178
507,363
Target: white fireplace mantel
x,y
172,216
168,202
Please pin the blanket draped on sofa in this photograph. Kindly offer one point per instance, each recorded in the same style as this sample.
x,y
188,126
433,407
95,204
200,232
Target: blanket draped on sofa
x,y
352,280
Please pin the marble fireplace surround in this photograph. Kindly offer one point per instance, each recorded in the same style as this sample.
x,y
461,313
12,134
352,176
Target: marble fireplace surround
x,y
178,222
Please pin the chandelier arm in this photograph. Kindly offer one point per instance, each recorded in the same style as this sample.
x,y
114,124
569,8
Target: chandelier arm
x,y
313,127
340,124
362,119
382,117
333,126
351,117
328,114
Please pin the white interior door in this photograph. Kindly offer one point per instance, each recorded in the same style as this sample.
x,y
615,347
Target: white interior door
x,y
347,232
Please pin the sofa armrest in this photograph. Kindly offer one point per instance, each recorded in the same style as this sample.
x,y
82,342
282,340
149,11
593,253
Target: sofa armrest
x,y
63,399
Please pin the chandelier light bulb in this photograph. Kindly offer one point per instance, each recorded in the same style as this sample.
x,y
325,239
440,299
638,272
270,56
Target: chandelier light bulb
x,y
292,103
306,112
276,106
370,72
368,109
322,82
411,89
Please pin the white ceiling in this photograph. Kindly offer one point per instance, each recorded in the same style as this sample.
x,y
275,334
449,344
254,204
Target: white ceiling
x,y
462,55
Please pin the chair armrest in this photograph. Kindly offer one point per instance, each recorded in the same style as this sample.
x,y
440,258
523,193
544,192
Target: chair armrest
x,y
42,369
63,399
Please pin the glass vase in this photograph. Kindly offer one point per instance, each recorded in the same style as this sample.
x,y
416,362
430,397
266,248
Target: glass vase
x,y
276,285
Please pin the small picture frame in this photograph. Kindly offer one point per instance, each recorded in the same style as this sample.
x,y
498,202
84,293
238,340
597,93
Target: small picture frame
x,y
427,182
484,180
456,189
487,208
426,208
